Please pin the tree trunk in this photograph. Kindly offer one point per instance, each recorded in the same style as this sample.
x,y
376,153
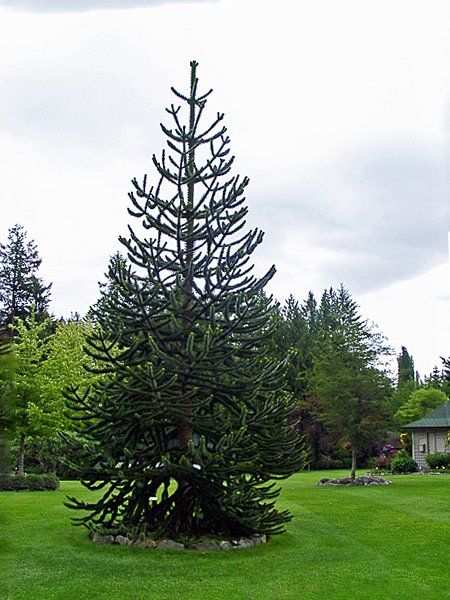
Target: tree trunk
x,y
352,474
21,454
185,431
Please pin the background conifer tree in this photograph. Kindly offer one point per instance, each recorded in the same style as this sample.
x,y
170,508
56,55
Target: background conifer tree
x,y
406,371
191,411
407,379
446,375
349,378
21,291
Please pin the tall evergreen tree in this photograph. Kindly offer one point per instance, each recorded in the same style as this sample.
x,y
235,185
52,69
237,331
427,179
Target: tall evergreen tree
x,y
446,375
291,332
21,291
110,293
434,379
405,364
348,380
192,411
406,379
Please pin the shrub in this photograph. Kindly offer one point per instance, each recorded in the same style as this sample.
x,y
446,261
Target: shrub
x,y
32,483
438,460
322,463
384,463
403,464
326,462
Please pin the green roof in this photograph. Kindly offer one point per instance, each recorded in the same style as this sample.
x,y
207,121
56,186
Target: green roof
x,y
440,417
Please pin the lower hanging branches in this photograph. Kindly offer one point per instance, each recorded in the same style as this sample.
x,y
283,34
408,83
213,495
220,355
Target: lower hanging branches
x,y
224,493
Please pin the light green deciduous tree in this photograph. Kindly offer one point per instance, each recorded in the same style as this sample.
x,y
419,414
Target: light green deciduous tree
x,y
420,403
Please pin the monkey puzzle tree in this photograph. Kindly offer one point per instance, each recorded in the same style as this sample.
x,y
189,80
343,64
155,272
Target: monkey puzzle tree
x,y
189,425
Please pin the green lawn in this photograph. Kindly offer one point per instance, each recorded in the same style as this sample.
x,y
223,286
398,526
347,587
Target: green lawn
x,y
379,543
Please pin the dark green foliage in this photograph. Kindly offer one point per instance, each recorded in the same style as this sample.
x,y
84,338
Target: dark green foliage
x,y
6,360
434,379
293,331
5,452
446,376
325,463
110,292
45,454
5,342
406,382
31,483
405,364
352,390
21,291
7,366
402,394
403,463
191,409
438,460
324,332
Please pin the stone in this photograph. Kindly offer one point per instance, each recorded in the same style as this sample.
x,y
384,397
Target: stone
x,y
103,539
145,543
361,480
169,545
166,544
258,538
323,481
224,545
245,543
206,545
123,541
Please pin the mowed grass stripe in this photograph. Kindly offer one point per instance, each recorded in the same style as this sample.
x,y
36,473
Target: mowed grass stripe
x,y
397,533
363,542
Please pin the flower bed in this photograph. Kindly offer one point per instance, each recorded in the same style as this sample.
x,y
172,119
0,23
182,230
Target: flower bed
x,y
366,479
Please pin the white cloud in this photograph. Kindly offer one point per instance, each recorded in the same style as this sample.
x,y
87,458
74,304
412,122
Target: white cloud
x,y
77,6
414,314
335,111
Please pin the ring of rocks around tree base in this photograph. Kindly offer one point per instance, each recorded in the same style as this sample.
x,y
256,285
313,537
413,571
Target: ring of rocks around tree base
x,y
366,479
166,544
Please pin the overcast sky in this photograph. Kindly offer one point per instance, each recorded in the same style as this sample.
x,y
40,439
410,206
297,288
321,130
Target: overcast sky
x,y
336,111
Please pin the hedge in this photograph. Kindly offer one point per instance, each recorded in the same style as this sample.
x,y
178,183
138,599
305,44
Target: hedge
x,y
32,483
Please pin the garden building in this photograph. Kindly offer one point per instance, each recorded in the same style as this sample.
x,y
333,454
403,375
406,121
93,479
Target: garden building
x,y
430,434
